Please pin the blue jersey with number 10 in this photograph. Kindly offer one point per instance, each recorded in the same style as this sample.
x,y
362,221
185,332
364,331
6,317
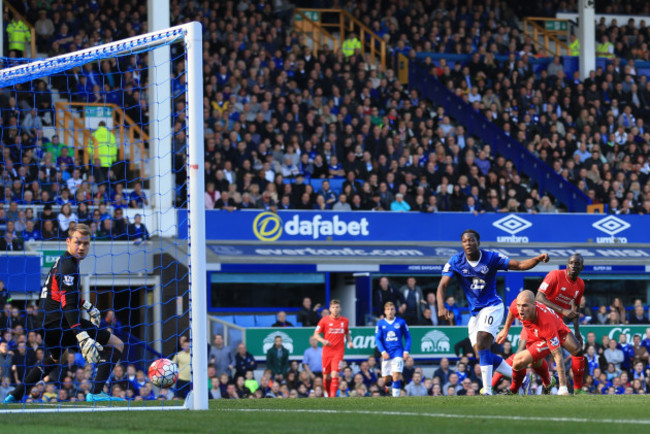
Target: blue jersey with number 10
x,y
478,282
388,337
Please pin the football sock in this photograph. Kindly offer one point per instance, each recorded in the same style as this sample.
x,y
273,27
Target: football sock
x,y
578,368
497,375
108,358
397,387
542,371
335,387
327,383
501,366
34,376
517,379
485,359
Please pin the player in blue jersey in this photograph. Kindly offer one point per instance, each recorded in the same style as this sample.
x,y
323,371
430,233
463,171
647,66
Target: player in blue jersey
x,y
476,270
388,336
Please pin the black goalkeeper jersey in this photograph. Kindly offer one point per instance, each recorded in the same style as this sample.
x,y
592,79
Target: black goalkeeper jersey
x,y
60,298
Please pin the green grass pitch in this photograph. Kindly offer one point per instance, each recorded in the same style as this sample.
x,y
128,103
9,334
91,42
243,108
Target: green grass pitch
x,y
497,414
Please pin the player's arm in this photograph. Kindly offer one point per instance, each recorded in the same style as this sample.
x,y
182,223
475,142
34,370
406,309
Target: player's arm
x,y
348,336
528,263
407,341
318,337
379,342
68,280
503,334
560,367
567,313
440,295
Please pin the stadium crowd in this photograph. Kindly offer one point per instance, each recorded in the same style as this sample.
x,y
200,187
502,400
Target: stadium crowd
x,y
286,129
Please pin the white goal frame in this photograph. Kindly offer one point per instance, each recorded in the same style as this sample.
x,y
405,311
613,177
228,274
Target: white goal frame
x,y
191,35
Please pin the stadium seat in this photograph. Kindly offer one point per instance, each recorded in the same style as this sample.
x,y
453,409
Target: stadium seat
x,y
337,184
293,319
245,320
265,320
317,183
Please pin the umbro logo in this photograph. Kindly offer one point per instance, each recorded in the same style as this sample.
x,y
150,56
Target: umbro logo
x,y
512,224
611,225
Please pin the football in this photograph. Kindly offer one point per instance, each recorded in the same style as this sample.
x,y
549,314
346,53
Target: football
x,y
163,373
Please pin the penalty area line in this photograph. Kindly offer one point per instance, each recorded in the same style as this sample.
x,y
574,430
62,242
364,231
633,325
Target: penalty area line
x,y
444,415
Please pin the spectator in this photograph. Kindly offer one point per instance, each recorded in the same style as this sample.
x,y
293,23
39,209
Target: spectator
x,y
137,231
614,355
103,142
342,204
138,198
455,316
308,316
183,360
638,316
221,356
277,359
400,205
5,297
66,216
414,302
312,359
10,240
415,387
244,361
444,371
640,352
282,320
385,293
619,309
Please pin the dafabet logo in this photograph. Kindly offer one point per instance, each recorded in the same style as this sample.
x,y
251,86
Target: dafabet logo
x,y
268,226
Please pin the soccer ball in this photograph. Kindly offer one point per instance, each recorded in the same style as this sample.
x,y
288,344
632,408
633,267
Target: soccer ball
x,y
163,373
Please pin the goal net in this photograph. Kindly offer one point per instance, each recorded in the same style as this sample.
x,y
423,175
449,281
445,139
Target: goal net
x,y
112,137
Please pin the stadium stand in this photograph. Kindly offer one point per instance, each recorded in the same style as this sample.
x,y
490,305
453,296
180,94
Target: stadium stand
x,y
281,119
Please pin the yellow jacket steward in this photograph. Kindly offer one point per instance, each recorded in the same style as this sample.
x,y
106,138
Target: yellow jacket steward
x,y
574,48
106,147
18,35
605,50
349,45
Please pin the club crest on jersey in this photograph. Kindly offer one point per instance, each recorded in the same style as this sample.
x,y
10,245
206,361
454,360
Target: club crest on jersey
x,y
68,280
397,325
484,270
563,289
465,271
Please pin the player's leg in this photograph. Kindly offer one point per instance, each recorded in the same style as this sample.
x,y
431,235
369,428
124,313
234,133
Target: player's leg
x,y
496,377
108,357
397,366
53,341
572,345
540,367
327,374
486,326
519,365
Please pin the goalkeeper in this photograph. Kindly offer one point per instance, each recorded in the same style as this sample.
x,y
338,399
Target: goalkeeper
x,y
63,326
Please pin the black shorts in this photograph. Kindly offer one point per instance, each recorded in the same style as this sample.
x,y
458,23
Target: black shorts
x,y
57,340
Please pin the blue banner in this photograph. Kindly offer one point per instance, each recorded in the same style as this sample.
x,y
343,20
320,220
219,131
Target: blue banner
x,y
21,273
318,227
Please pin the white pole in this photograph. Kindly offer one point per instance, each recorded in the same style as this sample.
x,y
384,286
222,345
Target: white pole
x,y
587,37
157,316
160,129
196,210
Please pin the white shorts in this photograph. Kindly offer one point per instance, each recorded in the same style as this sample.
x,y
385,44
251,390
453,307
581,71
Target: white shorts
x,y
396,364
488,320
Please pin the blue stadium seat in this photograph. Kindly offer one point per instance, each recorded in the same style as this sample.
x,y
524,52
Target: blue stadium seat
x,y
317,183
337,184
293,319
265,320
245,320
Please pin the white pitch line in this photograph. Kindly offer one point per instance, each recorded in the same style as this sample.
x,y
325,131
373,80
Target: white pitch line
x,y
87,409
446,415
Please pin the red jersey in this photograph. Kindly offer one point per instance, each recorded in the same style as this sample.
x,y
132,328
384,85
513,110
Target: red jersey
x,y
561,290
548,327
334,330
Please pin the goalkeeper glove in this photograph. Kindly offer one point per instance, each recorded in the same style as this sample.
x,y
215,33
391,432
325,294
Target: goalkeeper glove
x,y
95,316
89,347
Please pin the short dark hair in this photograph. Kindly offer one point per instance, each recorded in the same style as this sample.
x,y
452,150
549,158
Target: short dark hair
x,y
471,231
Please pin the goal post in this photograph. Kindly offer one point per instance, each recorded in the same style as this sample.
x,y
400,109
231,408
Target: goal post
x,y
162,218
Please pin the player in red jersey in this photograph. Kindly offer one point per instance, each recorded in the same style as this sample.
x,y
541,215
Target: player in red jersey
x,y
562,291
546,334
334,329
